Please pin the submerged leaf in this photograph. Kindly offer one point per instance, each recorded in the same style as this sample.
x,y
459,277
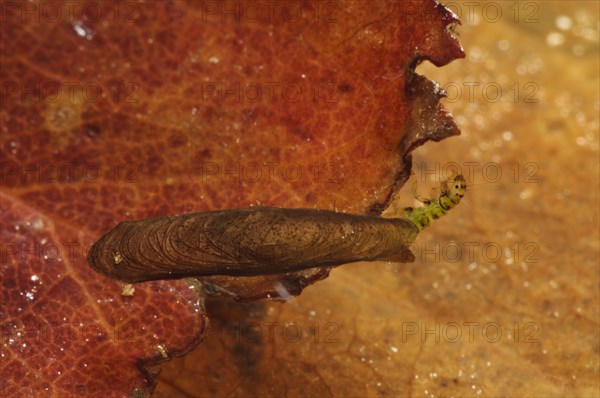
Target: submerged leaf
x,y
114,111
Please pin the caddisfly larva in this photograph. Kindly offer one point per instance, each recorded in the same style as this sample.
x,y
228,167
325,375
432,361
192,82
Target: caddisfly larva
x,y
451,192
261,240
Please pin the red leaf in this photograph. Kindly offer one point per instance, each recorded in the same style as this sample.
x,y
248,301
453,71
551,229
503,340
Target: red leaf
x,y
114,111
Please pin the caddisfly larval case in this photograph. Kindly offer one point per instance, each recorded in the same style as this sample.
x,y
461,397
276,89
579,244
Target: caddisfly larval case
x,y
247,242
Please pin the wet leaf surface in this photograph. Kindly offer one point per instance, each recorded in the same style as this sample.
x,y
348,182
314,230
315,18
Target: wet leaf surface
x,y
465,319
114,111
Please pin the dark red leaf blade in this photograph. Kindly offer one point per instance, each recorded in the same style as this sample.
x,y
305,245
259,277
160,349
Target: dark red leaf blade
x,y
114,111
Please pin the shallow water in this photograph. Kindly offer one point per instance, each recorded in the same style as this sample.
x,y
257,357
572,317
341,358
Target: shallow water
x,y
534,194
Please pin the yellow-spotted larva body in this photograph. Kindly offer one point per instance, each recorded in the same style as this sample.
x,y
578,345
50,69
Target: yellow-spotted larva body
x,y
451,192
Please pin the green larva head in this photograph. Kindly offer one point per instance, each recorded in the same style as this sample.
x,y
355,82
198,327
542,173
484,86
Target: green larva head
x,y
453,192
